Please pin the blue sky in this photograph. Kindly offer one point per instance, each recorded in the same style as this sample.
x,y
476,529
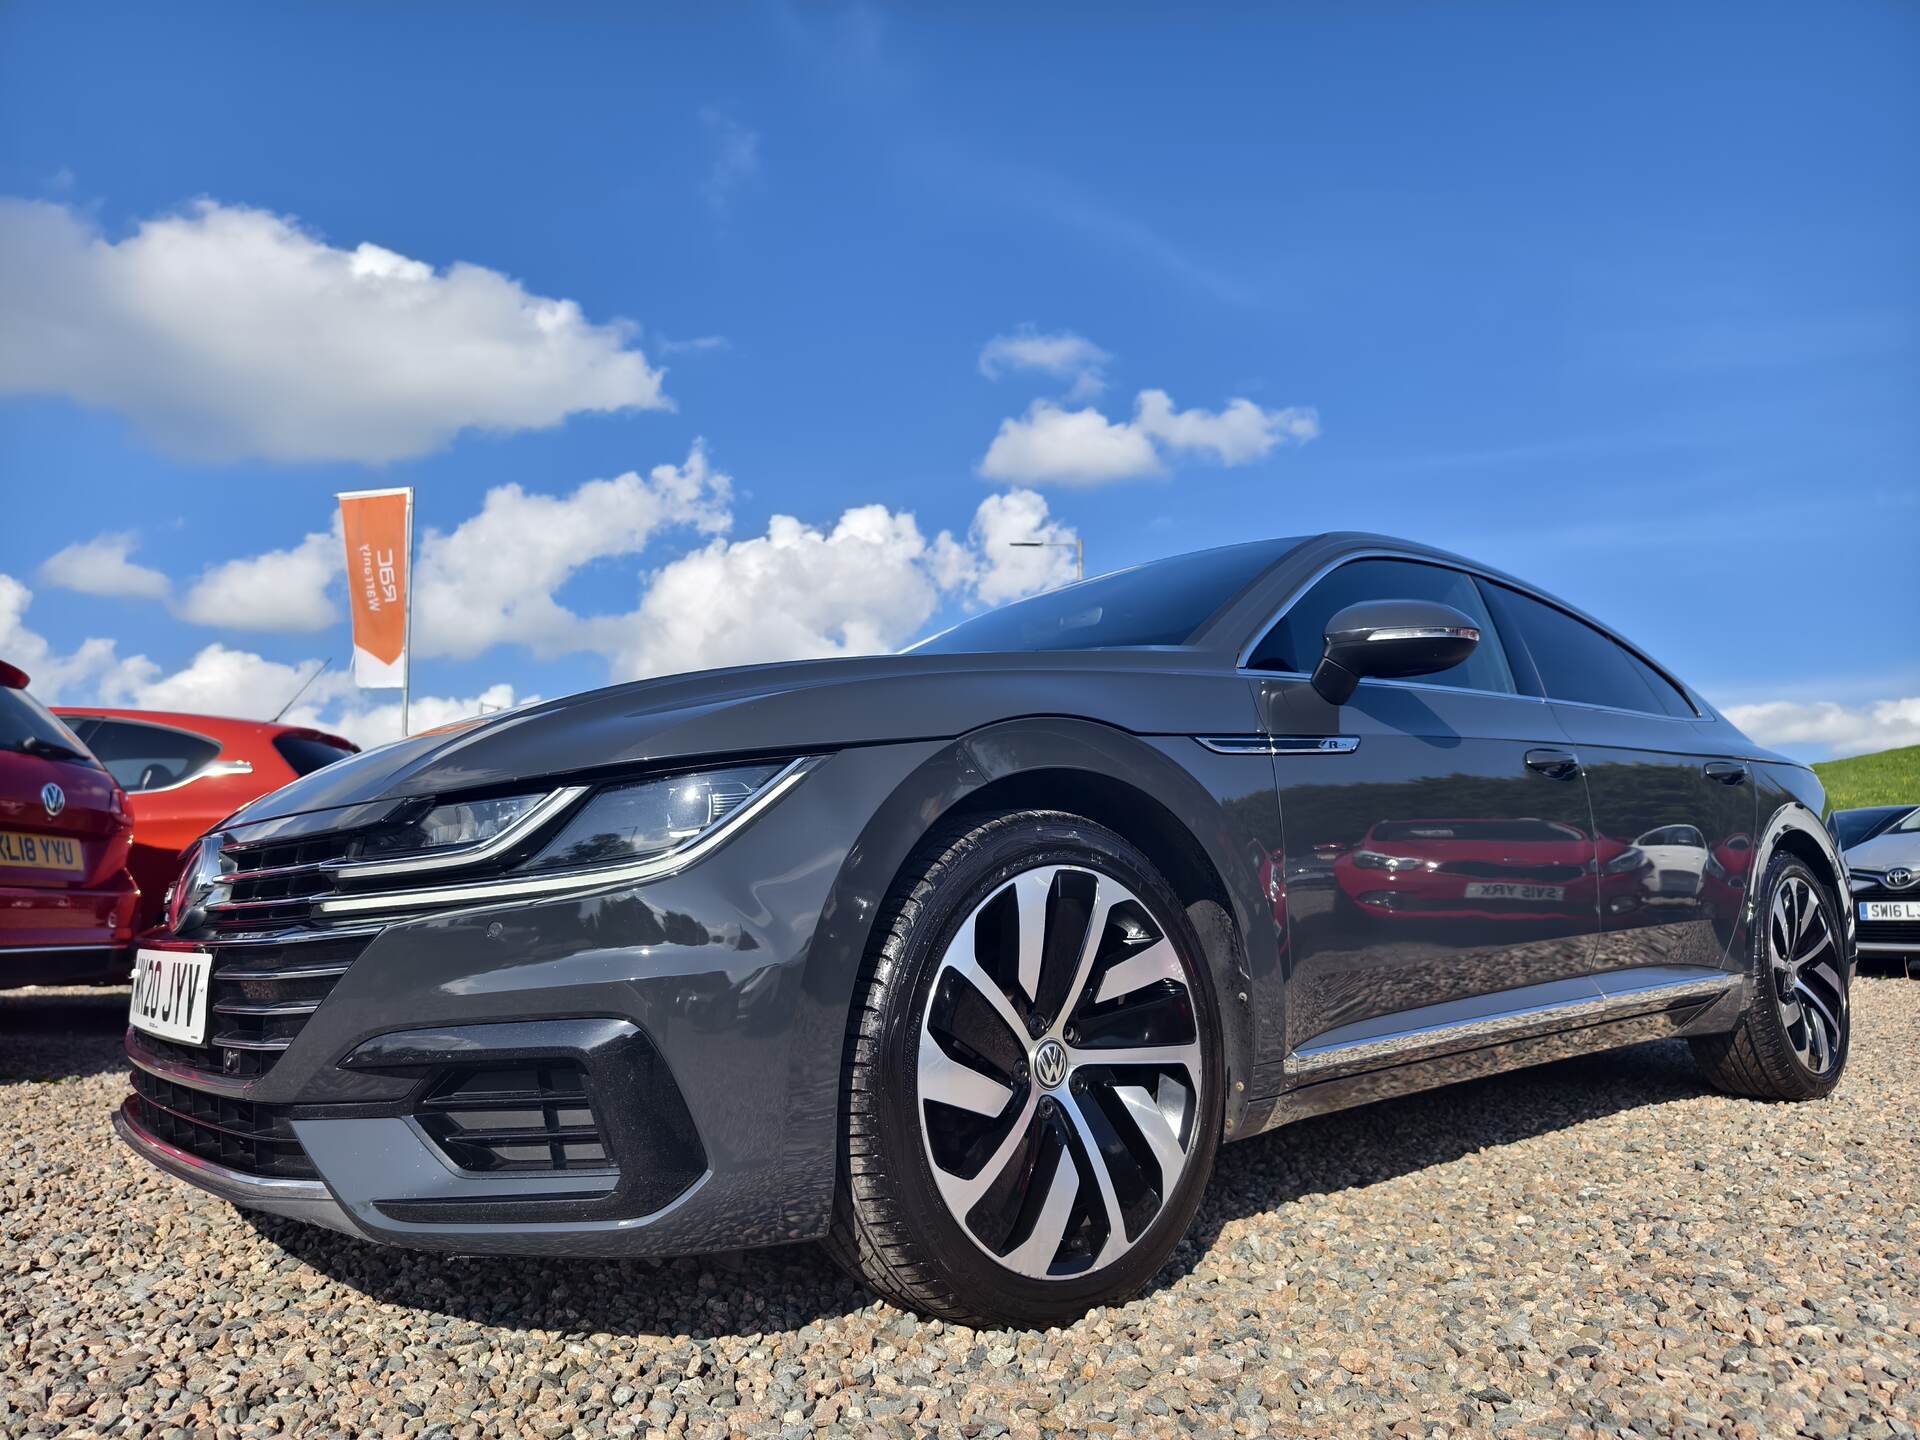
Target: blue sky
x,y
1624,299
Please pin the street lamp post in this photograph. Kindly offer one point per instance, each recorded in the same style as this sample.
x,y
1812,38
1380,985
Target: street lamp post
x,y
1076,545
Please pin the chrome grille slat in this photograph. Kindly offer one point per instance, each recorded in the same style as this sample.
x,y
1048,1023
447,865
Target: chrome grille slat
x,y
290,972
283,1007
240,1042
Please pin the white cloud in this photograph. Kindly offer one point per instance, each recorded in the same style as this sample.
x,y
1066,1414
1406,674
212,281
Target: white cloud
x,y
492,579
101,566
992,567
1829,728
1237,435
735,152
1062,354
1057,446
283,590
1050,445
229,333
52,675
800,592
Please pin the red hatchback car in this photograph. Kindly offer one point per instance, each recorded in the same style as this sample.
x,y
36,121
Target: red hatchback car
x,y
184,774
67,903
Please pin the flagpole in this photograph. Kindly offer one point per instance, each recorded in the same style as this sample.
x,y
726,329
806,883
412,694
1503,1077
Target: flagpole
x,y
406,675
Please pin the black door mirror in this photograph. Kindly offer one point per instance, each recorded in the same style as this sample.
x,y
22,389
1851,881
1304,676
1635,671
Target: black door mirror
x,y
1391,639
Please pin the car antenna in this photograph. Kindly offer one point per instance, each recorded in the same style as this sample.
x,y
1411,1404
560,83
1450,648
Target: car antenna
x,y
303,688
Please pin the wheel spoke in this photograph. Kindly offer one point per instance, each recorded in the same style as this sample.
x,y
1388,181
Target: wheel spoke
x,y
1103,900
946,1080
1157,1129
1034,1255
1116,1240
962,1192
1030,892
960,959
1163,1057
1822,1019
1142,968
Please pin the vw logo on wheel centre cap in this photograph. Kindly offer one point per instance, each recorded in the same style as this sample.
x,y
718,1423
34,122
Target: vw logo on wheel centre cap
x,y
53,797
1050,1063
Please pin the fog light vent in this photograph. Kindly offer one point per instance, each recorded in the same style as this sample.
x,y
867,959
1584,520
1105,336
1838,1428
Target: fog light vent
x,y
533,1117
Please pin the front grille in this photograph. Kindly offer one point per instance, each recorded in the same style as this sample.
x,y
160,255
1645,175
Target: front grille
x,y
273,884
1492,870
261,995
522,1118
239,1134
1891,932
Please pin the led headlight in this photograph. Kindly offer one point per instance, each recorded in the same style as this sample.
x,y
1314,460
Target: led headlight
x,y
461,823
652,817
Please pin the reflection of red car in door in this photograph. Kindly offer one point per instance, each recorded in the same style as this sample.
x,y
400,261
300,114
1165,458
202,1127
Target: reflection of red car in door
x,y
1519,869
66,901
184,774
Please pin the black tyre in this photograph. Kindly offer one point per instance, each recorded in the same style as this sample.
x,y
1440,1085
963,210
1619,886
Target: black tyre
x,y
1792,1042
1033,1080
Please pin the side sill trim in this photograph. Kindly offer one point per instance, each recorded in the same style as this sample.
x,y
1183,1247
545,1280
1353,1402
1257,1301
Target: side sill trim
x,y
1406,1046
232,1184
1280,744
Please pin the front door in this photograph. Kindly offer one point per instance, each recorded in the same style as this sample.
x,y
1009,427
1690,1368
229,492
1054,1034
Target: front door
x,y
1439,851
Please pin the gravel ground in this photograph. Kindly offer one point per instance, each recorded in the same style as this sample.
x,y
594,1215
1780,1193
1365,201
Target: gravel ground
x,y
1595,1247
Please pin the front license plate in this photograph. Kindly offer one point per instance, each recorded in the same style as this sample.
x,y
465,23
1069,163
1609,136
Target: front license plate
x,y
1496,890
26,851
1871,910
170,994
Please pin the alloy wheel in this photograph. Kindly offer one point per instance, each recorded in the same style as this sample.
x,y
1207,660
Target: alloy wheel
x,y
1807,981
1059,1072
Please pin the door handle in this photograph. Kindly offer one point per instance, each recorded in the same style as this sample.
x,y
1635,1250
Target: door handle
x,y
1727,772
1554,764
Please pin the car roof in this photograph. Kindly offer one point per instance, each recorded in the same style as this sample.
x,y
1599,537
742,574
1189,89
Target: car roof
x,y
214,727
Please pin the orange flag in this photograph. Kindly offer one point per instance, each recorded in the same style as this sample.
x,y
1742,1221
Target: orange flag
x,y
379,531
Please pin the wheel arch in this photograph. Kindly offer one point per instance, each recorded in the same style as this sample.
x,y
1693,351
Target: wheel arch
x,y
1795,829
1123,781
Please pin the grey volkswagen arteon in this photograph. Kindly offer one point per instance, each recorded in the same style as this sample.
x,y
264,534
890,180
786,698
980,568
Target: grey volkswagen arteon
x,y
965,961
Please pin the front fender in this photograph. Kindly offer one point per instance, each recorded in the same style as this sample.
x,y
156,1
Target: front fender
x,y
1223,804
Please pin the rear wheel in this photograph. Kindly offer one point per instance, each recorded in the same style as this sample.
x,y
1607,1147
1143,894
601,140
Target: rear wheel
x,y
1033,1077
1792,1042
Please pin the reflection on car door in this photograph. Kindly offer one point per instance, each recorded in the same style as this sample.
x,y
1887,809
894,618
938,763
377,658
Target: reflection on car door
x,y
1447,855
1673,817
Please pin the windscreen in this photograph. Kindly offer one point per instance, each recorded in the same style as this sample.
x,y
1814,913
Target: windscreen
x,y
28,726
1161,603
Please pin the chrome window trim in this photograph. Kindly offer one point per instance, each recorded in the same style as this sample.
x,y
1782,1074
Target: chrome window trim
x,y
567,882
205,771
545,809
1463,568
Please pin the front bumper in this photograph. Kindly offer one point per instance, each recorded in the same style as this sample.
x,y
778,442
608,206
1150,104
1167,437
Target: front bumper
x,y
721,990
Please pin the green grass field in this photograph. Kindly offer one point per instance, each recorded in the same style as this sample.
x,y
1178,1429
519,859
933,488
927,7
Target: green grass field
x,y
1891,777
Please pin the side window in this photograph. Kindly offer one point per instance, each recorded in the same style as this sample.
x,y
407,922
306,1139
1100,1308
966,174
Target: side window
x,y
1297,638
1576,662
149,757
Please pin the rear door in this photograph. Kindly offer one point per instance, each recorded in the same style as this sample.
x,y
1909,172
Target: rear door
x,y
1438,838
1671,807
